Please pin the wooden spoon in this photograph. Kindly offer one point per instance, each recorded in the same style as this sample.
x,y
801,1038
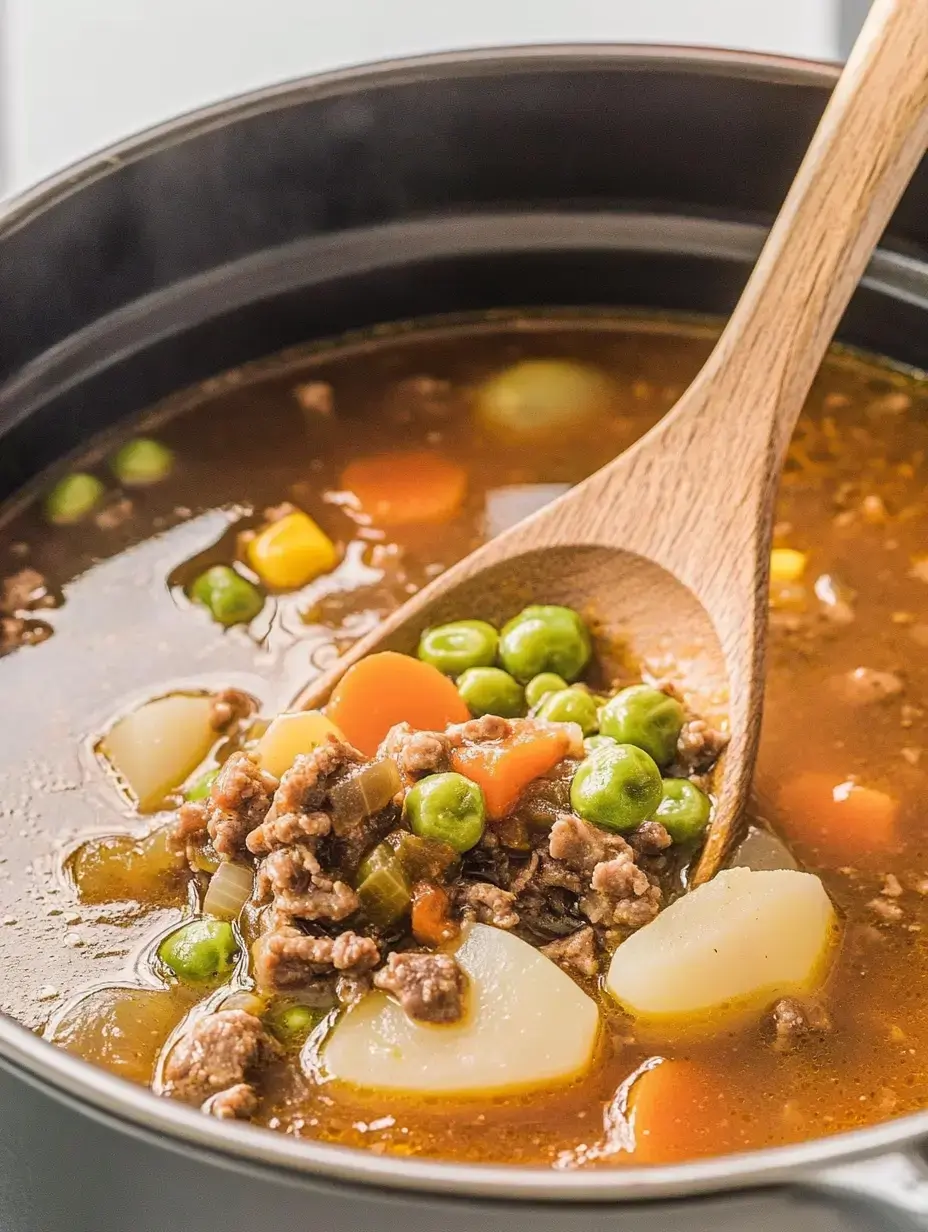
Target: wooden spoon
x,y
668,546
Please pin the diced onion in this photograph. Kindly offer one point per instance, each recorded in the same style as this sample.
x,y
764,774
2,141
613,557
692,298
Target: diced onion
x,y
384,893
366,792
229,891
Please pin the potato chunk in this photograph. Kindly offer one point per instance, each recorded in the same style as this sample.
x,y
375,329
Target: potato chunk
x,y
156,747
528,1024
731,946
291,734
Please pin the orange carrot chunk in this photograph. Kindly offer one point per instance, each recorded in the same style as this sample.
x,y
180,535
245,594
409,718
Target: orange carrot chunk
x,y
389,688
431,915
674,1114
504,770
395,489
839,822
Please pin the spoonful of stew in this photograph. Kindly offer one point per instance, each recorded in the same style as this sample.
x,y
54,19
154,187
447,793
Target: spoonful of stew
x,y
666,550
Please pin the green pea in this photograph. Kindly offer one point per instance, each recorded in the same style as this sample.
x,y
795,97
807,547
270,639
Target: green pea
x,y
142,462
684,810
455,647
73,498
201,950
199,788
616,788
232,599
644,717
592,743
540,686
545,638
294,1022
490,690
447,807
570,706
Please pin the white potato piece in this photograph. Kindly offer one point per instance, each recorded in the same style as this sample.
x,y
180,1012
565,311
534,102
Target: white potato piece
x,y
528,1024
731,946
291,734
155,748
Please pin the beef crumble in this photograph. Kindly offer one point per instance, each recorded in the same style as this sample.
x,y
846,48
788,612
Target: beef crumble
x,y
218,1056
285,956
429,987
794,1022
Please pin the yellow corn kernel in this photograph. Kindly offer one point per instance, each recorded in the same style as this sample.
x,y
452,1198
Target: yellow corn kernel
x,y
291,552
786,565
291,734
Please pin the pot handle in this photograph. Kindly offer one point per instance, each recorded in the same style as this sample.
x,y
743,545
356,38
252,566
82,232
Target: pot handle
x,y
886,1194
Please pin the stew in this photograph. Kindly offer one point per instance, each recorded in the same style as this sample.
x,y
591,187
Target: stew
x,y
453,908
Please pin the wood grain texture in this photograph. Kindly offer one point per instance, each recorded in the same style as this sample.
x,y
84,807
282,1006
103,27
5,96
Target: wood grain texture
x,y
668,546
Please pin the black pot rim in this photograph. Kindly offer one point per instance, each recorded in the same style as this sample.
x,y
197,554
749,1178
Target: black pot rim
x,y
135,1110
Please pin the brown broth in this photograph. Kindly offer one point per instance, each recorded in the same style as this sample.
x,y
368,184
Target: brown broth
x,y
243,443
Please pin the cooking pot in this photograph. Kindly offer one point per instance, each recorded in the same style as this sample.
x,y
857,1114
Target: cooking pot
x,y
621,176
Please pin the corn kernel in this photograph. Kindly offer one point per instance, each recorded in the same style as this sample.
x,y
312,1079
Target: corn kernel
x,y
786,565
291,552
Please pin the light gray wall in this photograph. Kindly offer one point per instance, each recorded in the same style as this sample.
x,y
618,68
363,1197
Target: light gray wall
x,y
82,73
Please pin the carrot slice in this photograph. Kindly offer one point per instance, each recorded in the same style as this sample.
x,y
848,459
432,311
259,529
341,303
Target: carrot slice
x,y
838,821
431,920
395,489
504,770
389,688
674,1114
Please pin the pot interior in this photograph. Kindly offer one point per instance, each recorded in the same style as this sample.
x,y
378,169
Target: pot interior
x,y
108,352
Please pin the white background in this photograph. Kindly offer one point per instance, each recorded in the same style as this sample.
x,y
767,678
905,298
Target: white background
x,y
78,74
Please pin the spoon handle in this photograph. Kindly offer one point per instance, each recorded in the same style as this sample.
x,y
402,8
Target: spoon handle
x,y
870,139
697,493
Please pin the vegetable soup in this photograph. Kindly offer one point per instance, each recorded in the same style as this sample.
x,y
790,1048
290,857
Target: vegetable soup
x,y
452,914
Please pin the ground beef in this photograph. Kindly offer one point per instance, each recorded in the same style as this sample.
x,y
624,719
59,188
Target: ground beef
x,y
238,802
581,846
295,880
621,895
24,592
417,752
866,687
794,1022
238,1103
488,904
480,731
351,988
16,632
576,953
556,875
601,867
304,870
429,987
275,832
189,828
304,786
490,727
288,958
699,745
526,875
650,839
230,707
218,1053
